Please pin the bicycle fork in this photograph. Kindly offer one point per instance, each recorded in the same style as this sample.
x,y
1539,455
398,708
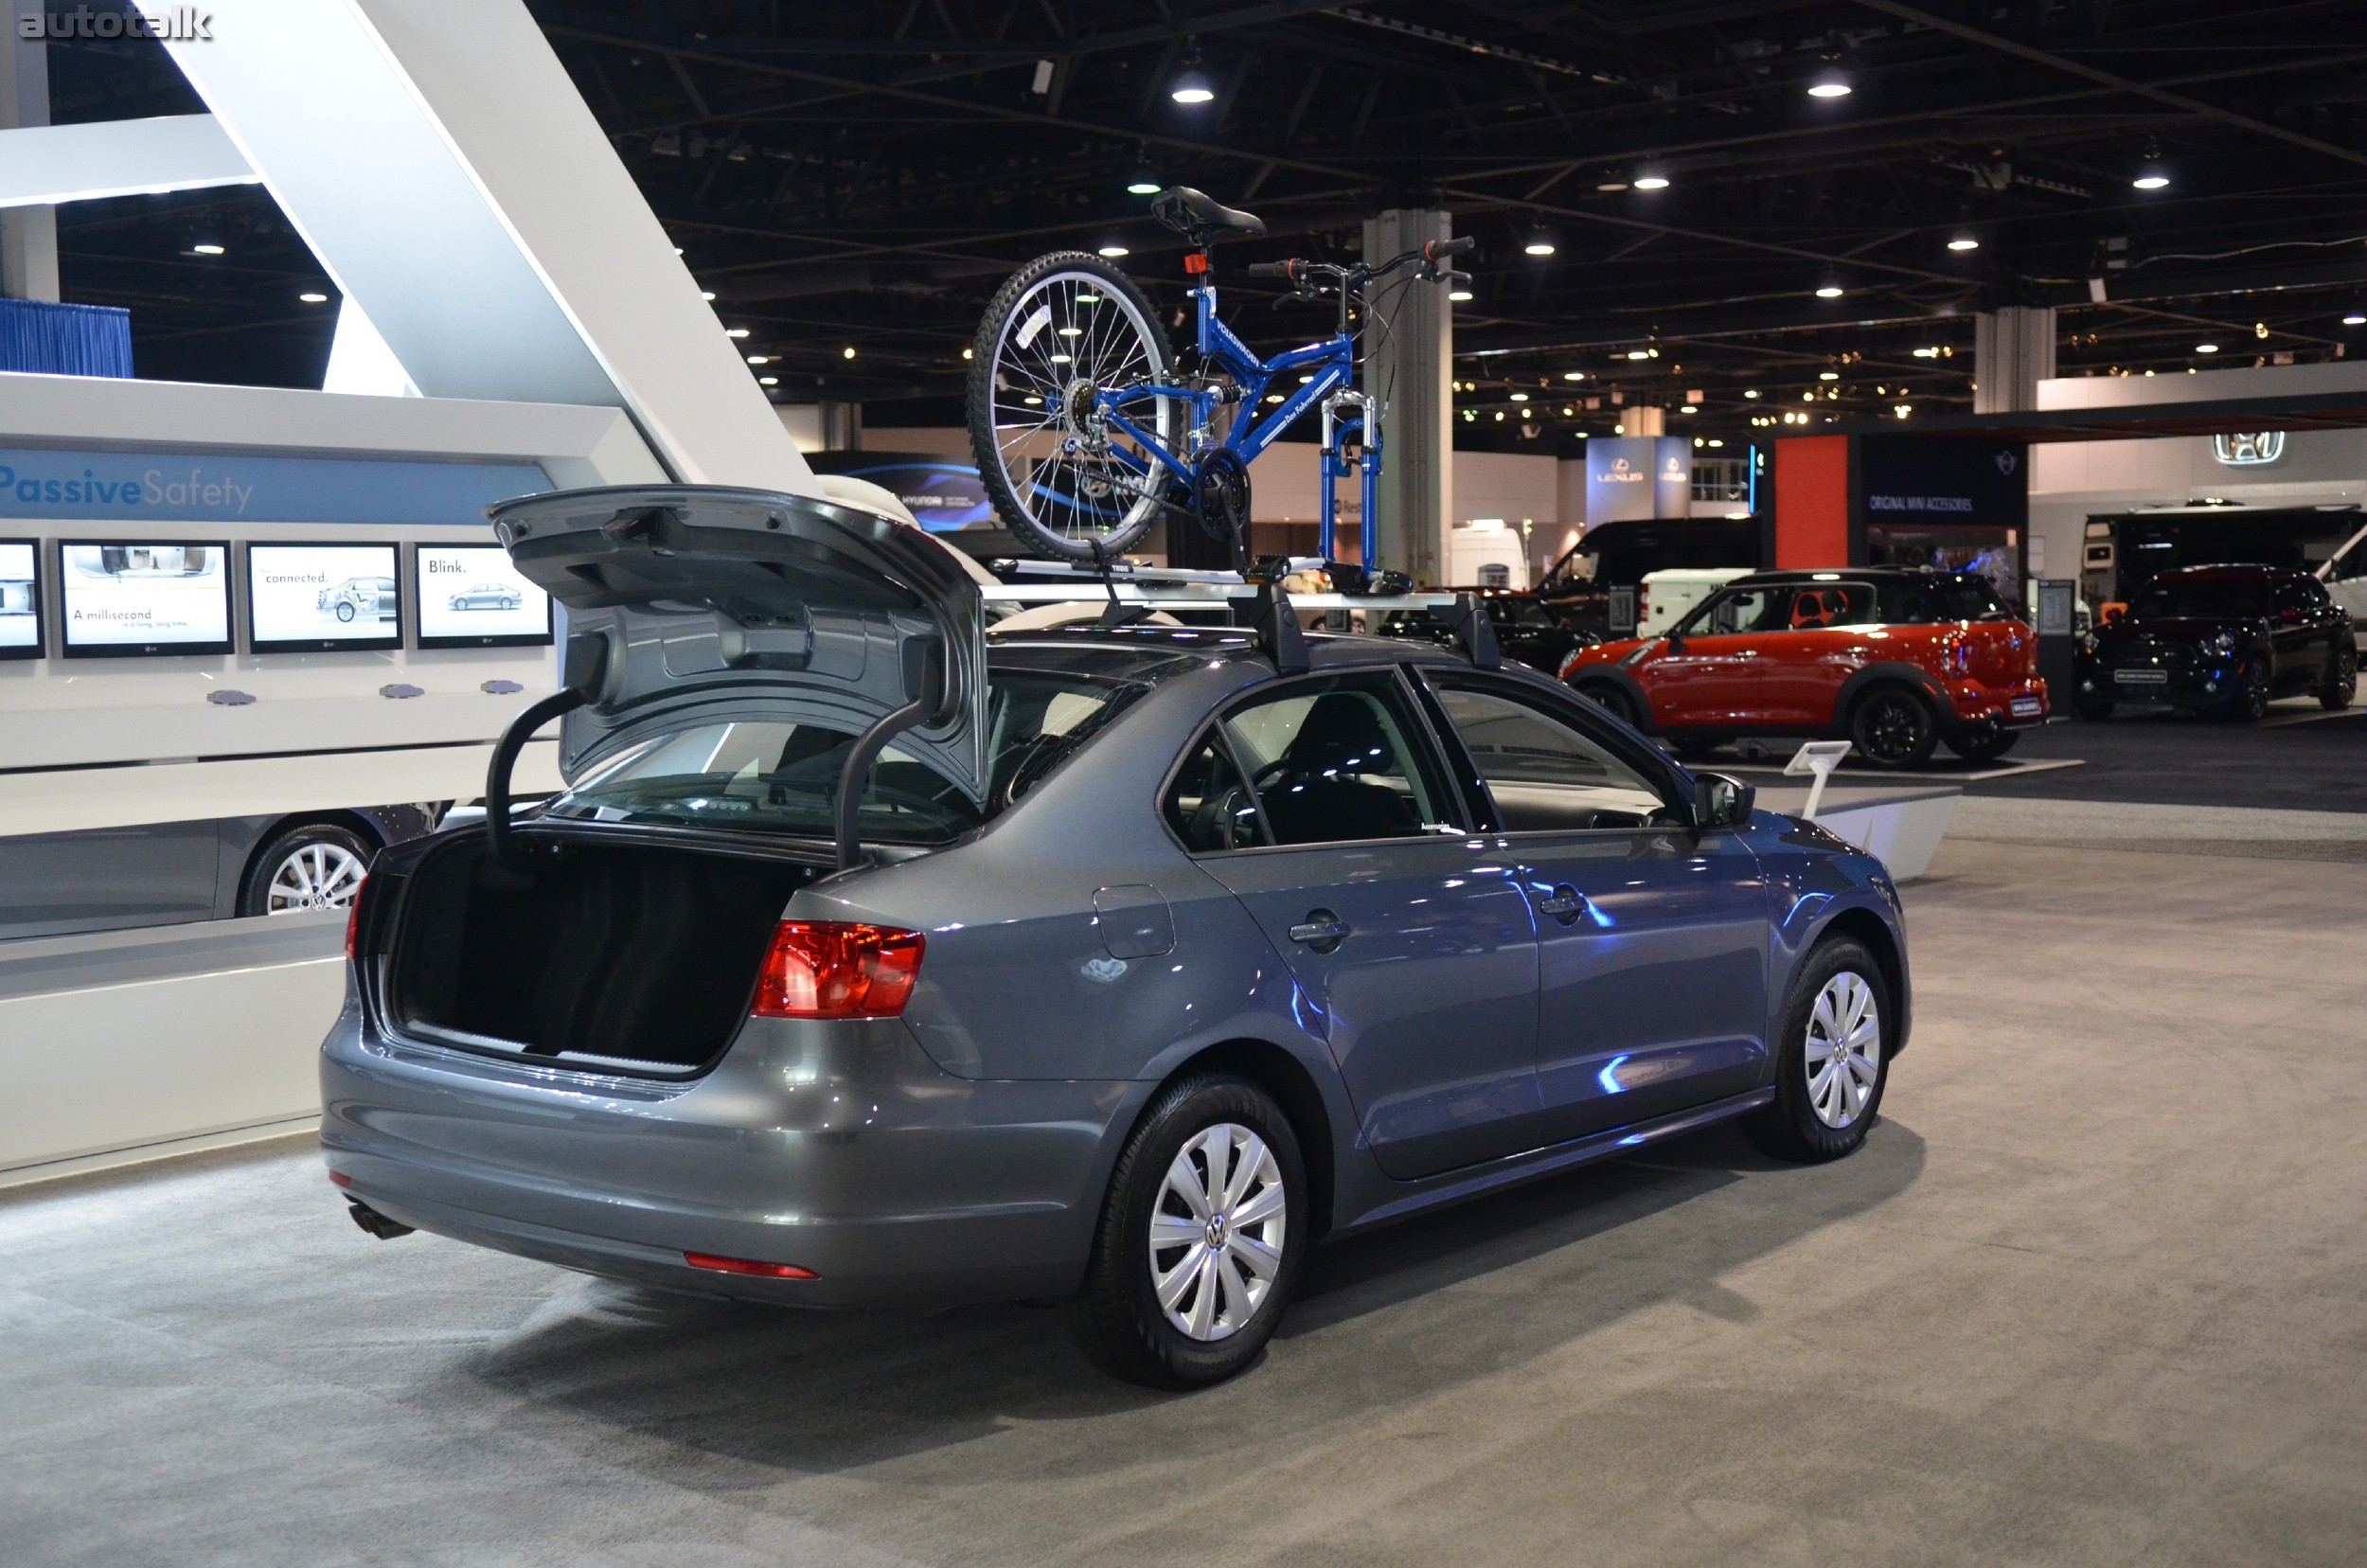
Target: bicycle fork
x,y
1348,412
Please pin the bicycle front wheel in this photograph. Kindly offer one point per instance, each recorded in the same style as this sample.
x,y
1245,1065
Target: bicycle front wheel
x,y
1064,329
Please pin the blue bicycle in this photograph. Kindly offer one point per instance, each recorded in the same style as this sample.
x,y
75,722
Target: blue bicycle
x,y
1087,432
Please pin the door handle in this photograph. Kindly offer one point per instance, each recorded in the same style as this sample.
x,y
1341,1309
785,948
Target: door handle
x,y
1565,903
1321,929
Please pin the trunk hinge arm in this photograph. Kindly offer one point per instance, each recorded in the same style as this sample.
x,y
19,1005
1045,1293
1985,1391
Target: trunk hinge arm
x,y
587,668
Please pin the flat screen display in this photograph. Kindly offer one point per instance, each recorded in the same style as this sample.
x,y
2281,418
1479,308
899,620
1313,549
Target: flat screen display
x,y
316,596
139,596
20,599
471,596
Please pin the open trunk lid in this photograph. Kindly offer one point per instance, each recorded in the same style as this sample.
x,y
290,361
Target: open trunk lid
x,y
718,604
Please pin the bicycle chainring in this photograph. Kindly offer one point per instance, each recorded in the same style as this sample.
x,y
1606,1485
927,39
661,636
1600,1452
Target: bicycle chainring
x,y
1220,495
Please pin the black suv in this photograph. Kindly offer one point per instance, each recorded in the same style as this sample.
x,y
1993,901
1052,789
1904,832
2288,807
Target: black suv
x,y
2220,640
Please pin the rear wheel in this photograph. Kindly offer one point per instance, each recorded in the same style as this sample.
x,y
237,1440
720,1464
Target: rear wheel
x,y
1832,1061
1058,470
1892,727
2342,679
1610,700
317,866
1200,1239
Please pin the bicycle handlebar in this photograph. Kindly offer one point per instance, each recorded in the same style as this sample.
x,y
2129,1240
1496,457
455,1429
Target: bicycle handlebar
x,y
1301,274
1268,269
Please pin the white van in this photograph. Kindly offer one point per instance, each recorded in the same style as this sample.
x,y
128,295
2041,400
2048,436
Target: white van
x,y
1667,597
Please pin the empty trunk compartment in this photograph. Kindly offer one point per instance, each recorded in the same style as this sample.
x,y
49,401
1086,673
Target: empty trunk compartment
x,y
632,953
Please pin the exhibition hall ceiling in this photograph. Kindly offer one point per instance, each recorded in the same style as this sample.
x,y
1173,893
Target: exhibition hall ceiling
x,y
1803,201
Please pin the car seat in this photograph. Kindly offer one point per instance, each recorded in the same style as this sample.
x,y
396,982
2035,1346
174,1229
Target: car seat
x,y
1315,793
1810,612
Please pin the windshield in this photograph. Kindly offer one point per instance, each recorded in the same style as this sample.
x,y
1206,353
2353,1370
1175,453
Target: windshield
x,y
2245,599
773,777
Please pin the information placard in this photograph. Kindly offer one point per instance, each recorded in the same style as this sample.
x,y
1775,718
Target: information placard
x,y
20,599
471,596
128,597
322,596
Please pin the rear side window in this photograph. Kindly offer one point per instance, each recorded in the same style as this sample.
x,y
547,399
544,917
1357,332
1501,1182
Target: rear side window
x,y
1818,605
1546,774
1942,599
1330,762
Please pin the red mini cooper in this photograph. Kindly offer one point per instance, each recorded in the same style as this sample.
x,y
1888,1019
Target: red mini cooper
x,y
1897,661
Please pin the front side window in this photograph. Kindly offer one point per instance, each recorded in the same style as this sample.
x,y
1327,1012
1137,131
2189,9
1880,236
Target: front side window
x,y
1545,772
1329,761
1818,605
1739,610
770,777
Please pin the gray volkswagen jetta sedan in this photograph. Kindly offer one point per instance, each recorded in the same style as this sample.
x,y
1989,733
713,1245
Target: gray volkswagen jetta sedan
x,y
865,962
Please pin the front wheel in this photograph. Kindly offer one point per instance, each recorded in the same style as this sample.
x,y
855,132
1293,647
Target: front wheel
x,y
1611,701
2341,685
1892,727
1832,1060
344,613
2249,703
314,866
1059,470
1200,1239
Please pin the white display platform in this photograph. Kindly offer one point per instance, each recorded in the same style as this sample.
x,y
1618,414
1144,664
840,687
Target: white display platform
x,y
125,1045
1900,828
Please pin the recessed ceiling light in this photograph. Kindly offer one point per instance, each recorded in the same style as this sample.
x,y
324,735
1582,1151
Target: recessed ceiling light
x,y
708,295
2151,178
1192,86
1752,392
760,359
1573,375
1828,375
1639,353
1538,247
736,332
1520,397
1688,409
1903,410
206,250
1963,242
1142,184
2206,347
677,250
2355,319
1612,186
1063,359
1651,182
1461,297
1032,400
768,380
1829,87
848,352
1114,251
1830,291
314,299
969,353
1072,331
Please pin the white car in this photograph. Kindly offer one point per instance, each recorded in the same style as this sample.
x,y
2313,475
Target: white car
x,y
1667,597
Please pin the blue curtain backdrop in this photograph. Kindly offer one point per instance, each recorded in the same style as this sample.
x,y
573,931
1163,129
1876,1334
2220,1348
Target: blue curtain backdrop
x,y
65,340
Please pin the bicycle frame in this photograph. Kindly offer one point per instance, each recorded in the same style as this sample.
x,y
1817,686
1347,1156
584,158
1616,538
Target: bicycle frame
x,y
1329,366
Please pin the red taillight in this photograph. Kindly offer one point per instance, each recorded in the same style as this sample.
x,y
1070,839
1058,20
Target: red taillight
x,y
747,1266
339,1178
353,917
836,969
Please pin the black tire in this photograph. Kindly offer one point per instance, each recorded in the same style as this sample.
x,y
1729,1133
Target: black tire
x,y
1068,523
337,845
2249,703
1892,727
2093,709
1790,1128
1611,701
1117,1317
344,612
1984,745
2341,684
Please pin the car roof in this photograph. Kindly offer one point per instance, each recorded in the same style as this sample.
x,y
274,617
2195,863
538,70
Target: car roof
x,y
1853,573
2233,571
1151,653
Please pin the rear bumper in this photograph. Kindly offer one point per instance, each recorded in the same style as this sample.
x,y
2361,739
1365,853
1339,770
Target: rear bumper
x,y
839,1148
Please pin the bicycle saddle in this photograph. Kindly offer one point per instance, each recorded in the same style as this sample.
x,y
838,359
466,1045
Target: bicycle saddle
x,y
1188,211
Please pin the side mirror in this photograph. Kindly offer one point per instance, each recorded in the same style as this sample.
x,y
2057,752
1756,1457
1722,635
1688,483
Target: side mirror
x,y
1676,642
1721,802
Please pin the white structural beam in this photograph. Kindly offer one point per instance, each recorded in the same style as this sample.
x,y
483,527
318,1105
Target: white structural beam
x,y
43,164
450,179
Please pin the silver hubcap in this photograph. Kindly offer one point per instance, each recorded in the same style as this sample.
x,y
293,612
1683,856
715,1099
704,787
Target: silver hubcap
x,y
1216,1234
1844,1049
319,876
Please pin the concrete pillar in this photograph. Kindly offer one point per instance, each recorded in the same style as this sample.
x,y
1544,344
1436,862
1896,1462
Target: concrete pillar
x,y
1409,372
28,235
2013,349
1644,421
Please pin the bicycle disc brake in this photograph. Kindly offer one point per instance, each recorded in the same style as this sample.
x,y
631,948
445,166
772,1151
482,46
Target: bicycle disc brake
x,y
1220,495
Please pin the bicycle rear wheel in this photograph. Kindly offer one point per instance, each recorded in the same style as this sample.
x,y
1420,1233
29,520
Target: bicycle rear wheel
x,y
1063,328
